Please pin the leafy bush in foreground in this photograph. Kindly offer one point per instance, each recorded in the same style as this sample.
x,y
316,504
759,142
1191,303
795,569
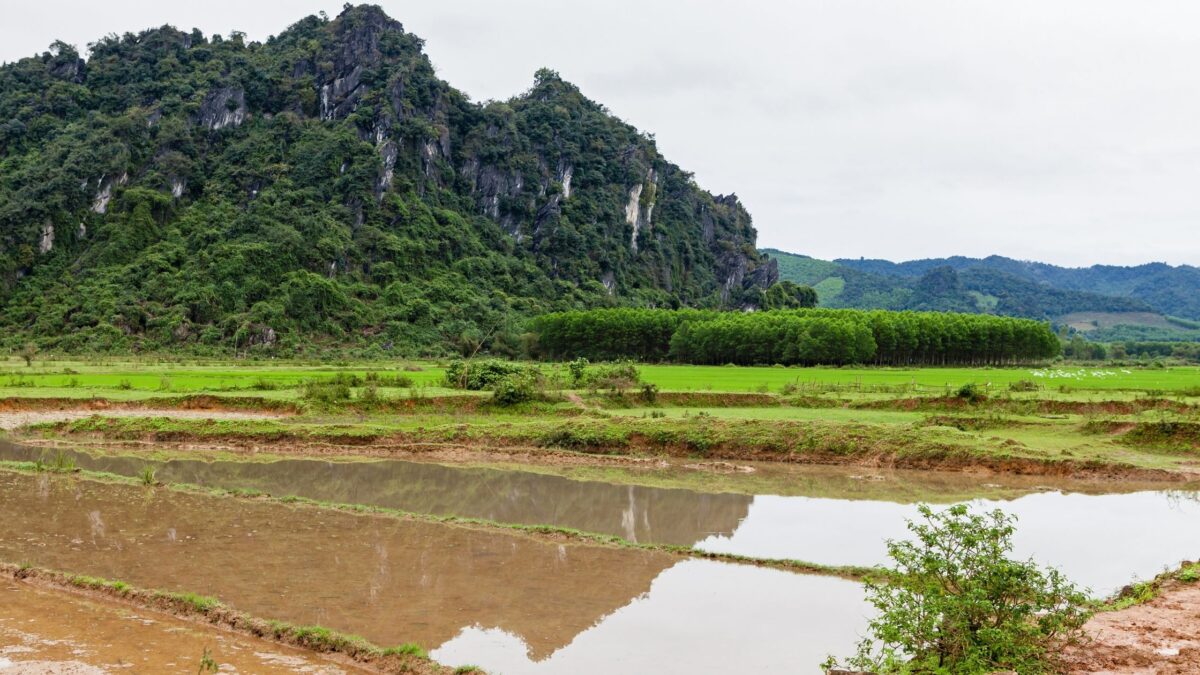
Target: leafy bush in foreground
x,y
956,603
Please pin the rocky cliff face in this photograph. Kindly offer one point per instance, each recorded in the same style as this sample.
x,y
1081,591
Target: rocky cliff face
x,y
397,178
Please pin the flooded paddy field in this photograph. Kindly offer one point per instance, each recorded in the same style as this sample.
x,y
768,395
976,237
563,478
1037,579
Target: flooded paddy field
x,y
513,603
485,598
1103,535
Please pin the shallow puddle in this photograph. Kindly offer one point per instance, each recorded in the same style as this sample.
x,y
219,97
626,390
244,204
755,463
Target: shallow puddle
x,y
47,631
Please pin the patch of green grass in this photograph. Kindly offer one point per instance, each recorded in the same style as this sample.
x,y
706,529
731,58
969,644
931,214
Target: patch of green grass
x,y
406,649
201,604
1189,574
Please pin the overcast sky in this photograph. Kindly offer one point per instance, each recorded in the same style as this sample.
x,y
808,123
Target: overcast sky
x,y
1058,130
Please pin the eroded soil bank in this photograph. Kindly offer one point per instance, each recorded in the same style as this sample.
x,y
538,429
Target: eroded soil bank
x,y
1161,636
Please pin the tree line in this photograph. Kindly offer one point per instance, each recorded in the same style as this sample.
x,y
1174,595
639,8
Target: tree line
x,y
793,337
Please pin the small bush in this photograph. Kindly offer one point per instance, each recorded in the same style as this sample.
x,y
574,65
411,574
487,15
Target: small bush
x,y
124,385
263,384
578,370
326,392
956,603
1189,574
481,375
1024,385
28,352
971,393
613,377
649,393
514,389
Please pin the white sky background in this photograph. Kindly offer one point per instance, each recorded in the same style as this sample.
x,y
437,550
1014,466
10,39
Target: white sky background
x,y
1058,130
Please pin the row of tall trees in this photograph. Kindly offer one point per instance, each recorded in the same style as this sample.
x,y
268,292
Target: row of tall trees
x,y
794,337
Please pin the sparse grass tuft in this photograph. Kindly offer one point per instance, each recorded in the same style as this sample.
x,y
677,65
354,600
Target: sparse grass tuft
x,y
207,663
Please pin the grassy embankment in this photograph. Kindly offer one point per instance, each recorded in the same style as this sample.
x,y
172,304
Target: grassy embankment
x,y
1058,421
406,658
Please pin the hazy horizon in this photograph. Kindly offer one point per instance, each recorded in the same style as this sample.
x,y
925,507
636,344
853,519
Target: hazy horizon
x,y
1062,134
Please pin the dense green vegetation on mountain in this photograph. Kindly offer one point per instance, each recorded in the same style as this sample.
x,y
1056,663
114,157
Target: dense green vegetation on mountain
x,y
942,288
1169,290
177,190
793,337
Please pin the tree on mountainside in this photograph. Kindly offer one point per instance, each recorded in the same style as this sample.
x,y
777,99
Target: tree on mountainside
x,y
788,295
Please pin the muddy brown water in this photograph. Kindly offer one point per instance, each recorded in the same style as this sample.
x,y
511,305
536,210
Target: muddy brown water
x,y
1103,535
505,602
46,631
635,513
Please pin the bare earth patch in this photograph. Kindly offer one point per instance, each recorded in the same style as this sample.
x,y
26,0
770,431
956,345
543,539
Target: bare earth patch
x,y
1159,636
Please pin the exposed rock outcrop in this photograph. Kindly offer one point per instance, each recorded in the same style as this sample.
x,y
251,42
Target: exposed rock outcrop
x,y
223,107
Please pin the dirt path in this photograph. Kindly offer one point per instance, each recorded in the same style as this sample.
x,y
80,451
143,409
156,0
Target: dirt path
x,y
15,419
1159,636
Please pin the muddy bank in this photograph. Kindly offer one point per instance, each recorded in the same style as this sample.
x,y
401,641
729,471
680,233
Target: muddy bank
x,y
194,402
48,626
62,622
857,448
1028,406
1158,636
10,420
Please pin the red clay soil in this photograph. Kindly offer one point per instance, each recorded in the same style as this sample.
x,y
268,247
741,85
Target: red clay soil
x,y
1159,636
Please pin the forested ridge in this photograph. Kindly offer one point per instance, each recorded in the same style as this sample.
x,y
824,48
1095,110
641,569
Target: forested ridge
x,y
1167,289
945,287
325,188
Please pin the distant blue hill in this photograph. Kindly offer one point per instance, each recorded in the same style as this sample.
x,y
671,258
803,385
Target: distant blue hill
x,y
1151,301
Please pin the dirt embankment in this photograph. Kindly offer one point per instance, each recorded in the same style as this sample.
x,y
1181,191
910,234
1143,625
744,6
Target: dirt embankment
x,y
1026,406
1159,636
352,650
640,449
19,412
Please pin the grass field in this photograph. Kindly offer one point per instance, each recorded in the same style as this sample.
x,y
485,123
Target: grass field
x,y
828,415
131,380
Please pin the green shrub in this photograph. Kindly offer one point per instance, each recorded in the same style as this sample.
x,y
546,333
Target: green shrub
x,y
327,392
956,603
1024,385
577,369
1189,574
515,388
649,393
481,375
971,393
613,376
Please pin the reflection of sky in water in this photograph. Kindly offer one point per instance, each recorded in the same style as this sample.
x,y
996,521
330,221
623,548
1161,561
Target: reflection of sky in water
x,y
698,617
1099,541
